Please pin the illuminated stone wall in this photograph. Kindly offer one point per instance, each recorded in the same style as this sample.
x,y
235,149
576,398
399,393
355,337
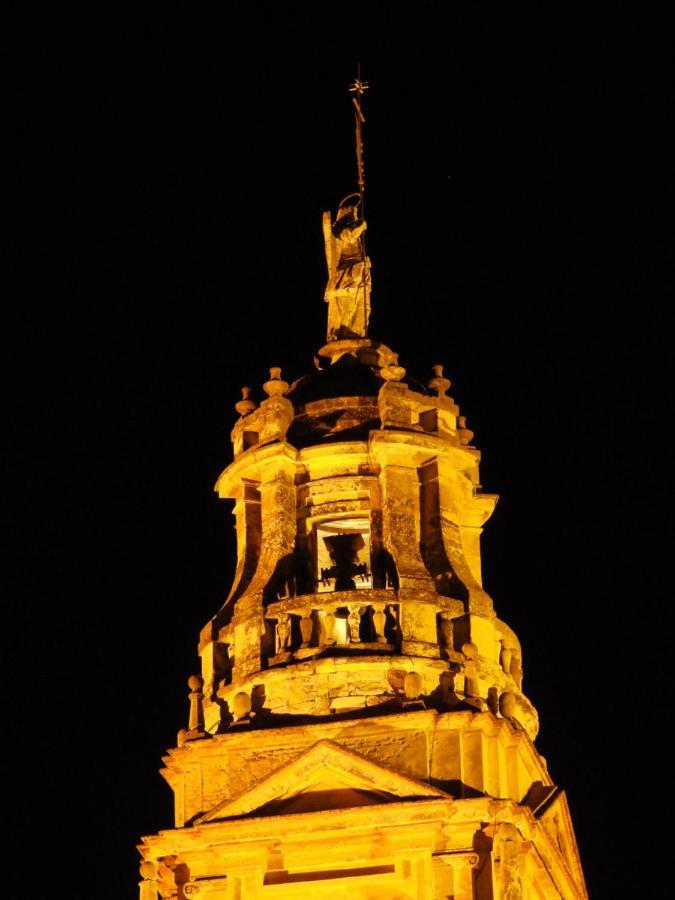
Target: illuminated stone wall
x,y
359,726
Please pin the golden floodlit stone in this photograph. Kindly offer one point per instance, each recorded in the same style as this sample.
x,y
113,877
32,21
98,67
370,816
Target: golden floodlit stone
x,y
359,728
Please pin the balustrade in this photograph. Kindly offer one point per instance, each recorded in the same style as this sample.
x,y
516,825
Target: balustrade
x,y
301,631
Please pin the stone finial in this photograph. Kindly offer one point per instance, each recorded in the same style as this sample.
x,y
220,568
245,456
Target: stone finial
x,y
412,685
507,705
464,434
196,720
438,383
148,886
245,405
470,650
241,706
275,386
392,372
148,869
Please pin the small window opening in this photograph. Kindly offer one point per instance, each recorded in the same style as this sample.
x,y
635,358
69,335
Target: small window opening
x,y
343,555
429,420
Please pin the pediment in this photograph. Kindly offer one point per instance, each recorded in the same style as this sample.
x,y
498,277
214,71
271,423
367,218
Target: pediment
x,y
324,777
556,814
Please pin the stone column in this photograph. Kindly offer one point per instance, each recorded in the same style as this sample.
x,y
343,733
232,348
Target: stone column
x,y
463,876
509,847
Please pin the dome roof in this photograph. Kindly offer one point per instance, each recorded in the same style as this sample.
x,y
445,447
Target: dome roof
x,y
346,377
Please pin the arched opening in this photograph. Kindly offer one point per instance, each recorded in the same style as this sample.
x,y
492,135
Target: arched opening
x,y
343,555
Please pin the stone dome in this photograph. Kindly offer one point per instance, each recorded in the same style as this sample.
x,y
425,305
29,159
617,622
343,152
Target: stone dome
x,y
339,400
348,376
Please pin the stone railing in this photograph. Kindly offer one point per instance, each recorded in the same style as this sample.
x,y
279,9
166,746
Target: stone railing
x,y
344,620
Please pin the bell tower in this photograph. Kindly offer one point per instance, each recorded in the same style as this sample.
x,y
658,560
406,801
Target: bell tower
x,y
359,727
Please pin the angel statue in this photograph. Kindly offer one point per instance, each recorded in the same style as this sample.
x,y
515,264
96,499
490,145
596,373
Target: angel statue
x,y
348,289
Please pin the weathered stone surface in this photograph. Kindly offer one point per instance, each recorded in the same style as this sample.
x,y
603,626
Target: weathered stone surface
x,y
358,661
468,757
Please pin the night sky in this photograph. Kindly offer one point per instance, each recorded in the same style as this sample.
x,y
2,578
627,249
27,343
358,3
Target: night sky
x,y
170,180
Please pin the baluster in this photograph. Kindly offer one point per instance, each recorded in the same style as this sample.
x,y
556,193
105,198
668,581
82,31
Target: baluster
x,y
282,633
395,611
445,627
354,620
379,622
342,634
305,626
327,618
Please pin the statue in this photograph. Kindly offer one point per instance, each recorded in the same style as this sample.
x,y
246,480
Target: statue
x,y
348,289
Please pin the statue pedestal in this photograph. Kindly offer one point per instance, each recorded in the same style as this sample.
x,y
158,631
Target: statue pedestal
x,y
370,353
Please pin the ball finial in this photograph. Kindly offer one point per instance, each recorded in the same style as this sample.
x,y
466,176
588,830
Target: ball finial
x,y
438,383
392,372
241,705
195,682
412,685
464,434
507,705
275,386
245,405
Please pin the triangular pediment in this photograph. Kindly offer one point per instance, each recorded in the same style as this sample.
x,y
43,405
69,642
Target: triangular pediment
x,y
324,777
558,822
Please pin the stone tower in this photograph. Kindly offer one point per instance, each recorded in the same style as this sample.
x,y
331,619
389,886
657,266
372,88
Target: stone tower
x,y
359,728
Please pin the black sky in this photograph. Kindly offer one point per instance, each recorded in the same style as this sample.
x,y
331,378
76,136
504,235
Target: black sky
x,y
170,179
